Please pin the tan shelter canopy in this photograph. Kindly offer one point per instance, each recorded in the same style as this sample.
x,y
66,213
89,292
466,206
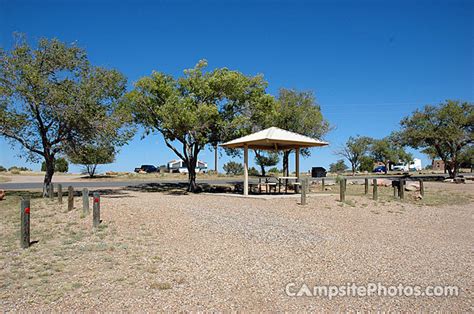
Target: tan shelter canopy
x,y
272,139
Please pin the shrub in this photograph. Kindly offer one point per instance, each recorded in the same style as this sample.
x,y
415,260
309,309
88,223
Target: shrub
x,y
253,171
274,170
3,169
17,169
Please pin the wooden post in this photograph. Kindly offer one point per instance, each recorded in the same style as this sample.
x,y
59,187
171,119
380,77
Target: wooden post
x,y
422,188
25,223
85,201
342,190
366,186
96,210
395,190
60,193
375,195
70,198
345,185
402,189
246,170
51,191
322,184
304,187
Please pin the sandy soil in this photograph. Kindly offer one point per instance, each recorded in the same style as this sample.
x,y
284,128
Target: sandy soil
x,y
169,251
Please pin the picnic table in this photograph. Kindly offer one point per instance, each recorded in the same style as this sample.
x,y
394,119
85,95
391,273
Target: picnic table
x,y
266,182
286,183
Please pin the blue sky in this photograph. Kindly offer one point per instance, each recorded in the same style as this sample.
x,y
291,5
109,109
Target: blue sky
x,y
369,63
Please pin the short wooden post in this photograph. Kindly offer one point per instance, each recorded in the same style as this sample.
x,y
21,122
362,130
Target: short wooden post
x,y
51,191
304,187
395,192
366,186
322,184
422,188
85,201
342,190
70,198
25,223
375,195
345,185
402,189
96,210
60,193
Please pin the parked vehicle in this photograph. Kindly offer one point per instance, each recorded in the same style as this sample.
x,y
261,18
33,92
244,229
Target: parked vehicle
x,y
414,165
177,166
380,169
146,168
318,172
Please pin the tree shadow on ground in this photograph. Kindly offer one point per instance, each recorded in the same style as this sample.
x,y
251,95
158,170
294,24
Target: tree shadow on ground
x,y
112,193
26,194
181,188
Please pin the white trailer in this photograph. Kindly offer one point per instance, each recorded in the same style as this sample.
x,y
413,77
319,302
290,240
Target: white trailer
x,y
414,165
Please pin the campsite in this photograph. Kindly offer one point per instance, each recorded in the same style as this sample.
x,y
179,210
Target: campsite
x,y
264,156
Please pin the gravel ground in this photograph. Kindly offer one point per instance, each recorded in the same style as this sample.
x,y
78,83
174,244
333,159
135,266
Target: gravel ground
x,y
158,251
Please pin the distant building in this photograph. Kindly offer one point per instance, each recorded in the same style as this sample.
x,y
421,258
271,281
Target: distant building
x,y
437,164
177,165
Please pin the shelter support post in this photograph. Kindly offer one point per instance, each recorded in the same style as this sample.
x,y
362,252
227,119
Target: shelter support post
x,y
246,170
297,168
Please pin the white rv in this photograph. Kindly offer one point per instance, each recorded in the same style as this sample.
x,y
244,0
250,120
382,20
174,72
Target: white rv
x,y
414,165
178,166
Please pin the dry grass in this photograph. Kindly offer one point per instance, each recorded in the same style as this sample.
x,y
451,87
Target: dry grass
x,y
158,251
434,195
5,179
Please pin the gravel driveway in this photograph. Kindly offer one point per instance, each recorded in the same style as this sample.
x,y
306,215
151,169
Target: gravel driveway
x,y
205,252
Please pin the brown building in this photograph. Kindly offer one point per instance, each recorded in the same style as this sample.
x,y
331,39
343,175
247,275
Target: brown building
x,y
437,164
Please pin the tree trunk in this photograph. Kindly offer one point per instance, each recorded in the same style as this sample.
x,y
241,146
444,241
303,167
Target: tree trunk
x,y
216,159
259,162
48,177
91,170
262,168
286,155
192,185
452,167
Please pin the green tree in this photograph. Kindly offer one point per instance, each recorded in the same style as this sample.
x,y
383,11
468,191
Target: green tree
x,y
92,155
388,151
466,157
444,130
266,159
193,111
354,149
60,165
51,98
298,112
338,167
233,168
366,163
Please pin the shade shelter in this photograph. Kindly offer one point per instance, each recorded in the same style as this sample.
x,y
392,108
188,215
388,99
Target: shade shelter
x,y
272,139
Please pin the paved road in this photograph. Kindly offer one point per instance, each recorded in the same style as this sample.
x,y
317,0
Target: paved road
x,y
115,184
102,184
